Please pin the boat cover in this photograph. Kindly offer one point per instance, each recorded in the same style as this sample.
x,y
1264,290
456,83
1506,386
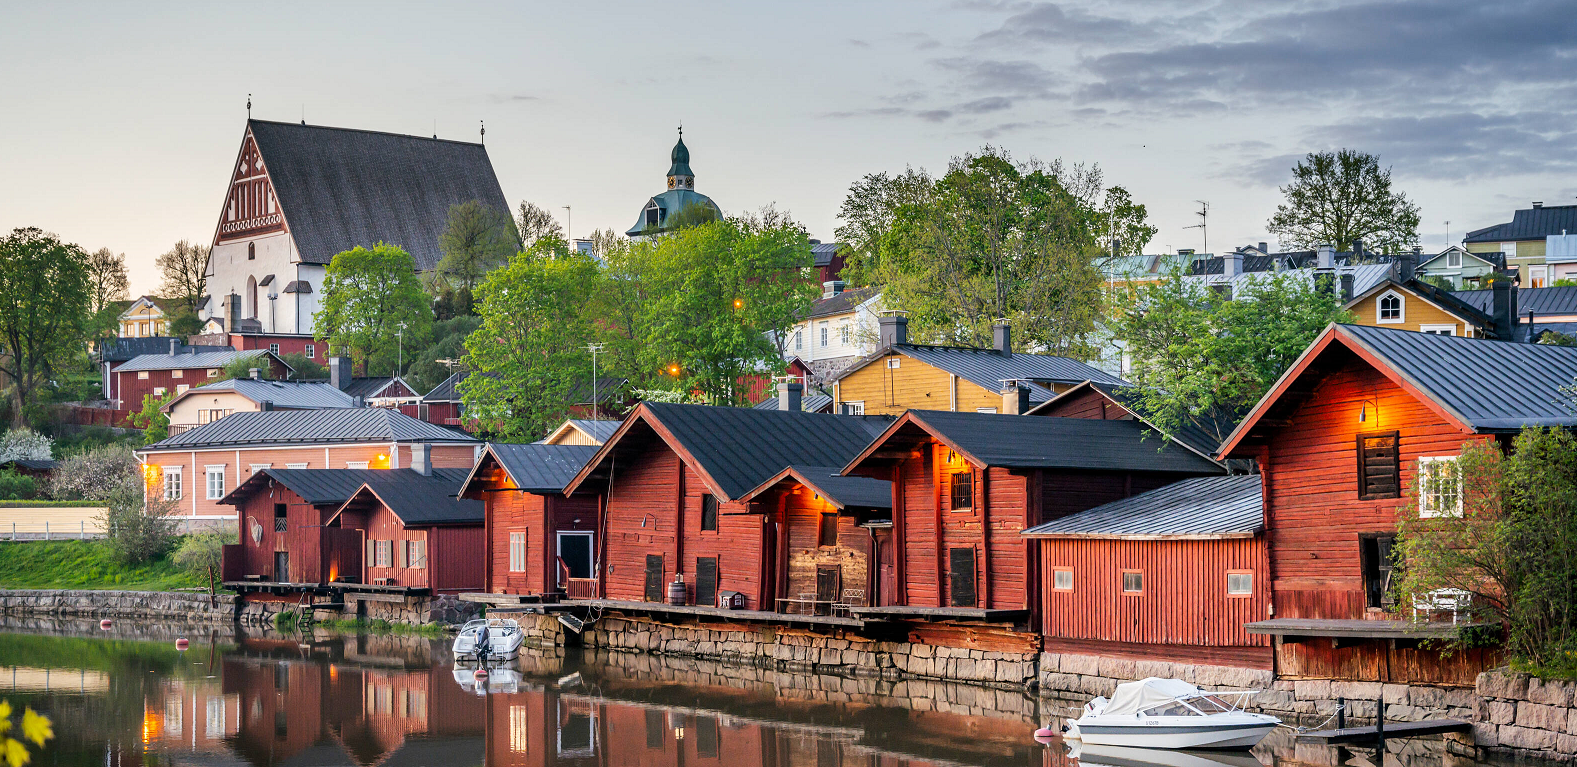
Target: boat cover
x,y
1133,697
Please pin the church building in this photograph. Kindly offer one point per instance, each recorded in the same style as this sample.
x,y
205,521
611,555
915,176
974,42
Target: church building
x,y
659,214
299,194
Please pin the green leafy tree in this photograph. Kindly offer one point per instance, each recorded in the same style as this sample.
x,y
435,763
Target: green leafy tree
x,y
139,524
16,486
535,223
529,349
151,418
305,369
202,555
1122,227
367,296
476,240
107,284
1342,196
427,371
45,312
1202,359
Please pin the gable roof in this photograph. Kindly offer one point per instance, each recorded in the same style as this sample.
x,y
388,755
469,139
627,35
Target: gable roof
x,y
1201,507
736,449
162,304
534,468
1479,385
197,359
813,402
1529,224
1486,259
989,439
840,491
418,499
1552,300
596,430
319,487
822,253
1188,435
124,349
988,368
288,395
842,303
339,187
311,427
372,387
1440,298
447,390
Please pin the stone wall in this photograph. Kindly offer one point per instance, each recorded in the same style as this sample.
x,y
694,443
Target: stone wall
x,y
184,607
1524,716
410,610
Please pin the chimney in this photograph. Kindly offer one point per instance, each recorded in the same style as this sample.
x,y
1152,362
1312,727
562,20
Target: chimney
x,y
421,459
1538,204
831,288
339,372
172,347
1346,287
1002,337
789,396
1232,264
1015,398
1504,303
1326,258
1357,250
266,405
254,374
1264,247
233,313
893,329
1325,270
1406,268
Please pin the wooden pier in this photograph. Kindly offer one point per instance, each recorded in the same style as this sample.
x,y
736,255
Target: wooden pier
x,y
1371,734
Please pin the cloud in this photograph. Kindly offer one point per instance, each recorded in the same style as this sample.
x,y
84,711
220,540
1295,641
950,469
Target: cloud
x,y
1049,23
1019,77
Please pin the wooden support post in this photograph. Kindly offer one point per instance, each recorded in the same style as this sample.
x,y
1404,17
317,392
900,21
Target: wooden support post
x,y
1379,727
900,538
936,516
1341,713
984,504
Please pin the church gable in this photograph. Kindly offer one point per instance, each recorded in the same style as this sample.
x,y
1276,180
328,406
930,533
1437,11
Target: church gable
x,y
251,208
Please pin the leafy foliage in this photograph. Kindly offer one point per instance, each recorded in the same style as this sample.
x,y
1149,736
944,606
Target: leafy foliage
x,y
155,423
184,268
23,443
138,530
1342,196
44,312
107,283
426,372
91,475
306,369
368,295
476,240
202,555
35,728
535,223
15,485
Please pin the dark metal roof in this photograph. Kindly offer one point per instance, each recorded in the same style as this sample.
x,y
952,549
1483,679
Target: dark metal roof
x,y
419,499
814,402
206,359
1490,385
124,349
368,388
1556,300
1061,443
283,394
311,427
31,464
319,487
988,368
843,303
538,468
670,203
609,388
340,188
1127,397
447,391
822,253
844,492
1530,224
1198,507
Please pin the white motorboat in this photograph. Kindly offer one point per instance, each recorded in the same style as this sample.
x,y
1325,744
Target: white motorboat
x,y
497,680
488,639
1169,713
1122,756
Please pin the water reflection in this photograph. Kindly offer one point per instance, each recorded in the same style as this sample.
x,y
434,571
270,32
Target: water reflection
x,y
336,701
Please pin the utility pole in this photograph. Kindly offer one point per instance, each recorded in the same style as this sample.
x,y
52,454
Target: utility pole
x,y
399,365
596,404
569,227
1204,218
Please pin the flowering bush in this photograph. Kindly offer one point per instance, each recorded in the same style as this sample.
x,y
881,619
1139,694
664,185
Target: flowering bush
x,y
24,444
94,475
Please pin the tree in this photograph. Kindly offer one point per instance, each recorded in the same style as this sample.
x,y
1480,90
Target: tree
x,y
152,419
534,223
185,272
529,349
1342,196
426,371
24,444
107,283
1122,226
203,556
367,296
90,475
305,369
476,240
1202,359
138,528
44,311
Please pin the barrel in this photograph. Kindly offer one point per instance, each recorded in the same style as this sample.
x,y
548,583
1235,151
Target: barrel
x,y
676,593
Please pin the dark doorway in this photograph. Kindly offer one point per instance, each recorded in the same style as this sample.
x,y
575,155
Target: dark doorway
x,y
575,550
654,577
1378,570
706,581
829,584
961,575
281,567
886,584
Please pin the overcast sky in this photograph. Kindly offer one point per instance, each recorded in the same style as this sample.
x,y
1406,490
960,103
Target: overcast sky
x,y
121,121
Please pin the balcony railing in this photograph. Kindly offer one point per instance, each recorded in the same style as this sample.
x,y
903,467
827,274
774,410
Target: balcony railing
x,y
582,588
178,428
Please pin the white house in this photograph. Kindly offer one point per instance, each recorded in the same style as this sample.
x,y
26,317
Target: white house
x,y
839,330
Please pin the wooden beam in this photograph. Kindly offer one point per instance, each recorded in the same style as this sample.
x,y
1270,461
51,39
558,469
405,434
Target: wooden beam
x,y
984,597
936,512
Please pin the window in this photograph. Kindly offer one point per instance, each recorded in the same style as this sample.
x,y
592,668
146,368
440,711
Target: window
x,y
251,251
824,334
963,483
517,552
1439,330
986,410
845,334
416,554
1175,708
181,388
709,512
798,340
177,373
172,483
1509,248
209,415
1379,470
381,553
158,391
1240,583
213,372
216,482
1454,260
1377,565
1062,579
295,466
312,352
1133,581
1439,487
355,464
827,535
142,375
892,363
1389,308
281,518
273,348
854,408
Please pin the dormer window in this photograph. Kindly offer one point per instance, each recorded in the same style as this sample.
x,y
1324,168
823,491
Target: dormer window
x,y
652,215
1389,309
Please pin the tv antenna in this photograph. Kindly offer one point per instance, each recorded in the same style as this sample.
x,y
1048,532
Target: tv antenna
x,y
596,405
1204,220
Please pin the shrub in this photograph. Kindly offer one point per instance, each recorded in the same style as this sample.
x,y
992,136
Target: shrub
x,y
137,530
92,475
24,444
17,486
202,555
154,423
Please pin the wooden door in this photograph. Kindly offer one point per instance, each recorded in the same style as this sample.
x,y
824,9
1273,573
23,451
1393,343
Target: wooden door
x,y
886,582
829,582
706,581
961,575
281,567
654,577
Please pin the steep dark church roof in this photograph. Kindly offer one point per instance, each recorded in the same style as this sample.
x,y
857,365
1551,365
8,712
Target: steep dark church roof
x,y
340,188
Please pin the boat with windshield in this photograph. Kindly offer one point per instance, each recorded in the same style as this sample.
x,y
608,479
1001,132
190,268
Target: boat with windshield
x,y
1170,713
486,639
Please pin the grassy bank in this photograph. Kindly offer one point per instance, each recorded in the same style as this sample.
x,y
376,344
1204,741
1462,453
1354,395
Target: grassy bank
x,y
288,621
83,565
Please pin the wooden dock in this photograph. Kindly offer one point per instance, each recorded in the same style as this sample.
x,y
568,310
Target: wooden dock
x,y
1368,735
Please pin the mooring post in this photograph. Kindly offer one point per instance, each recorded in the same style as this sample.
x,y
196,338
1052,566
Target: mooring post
x,y
1379,725
1341,713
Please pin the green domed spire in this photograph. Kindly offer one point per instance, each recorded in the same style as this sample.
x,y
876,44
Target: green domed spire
x,y
681,159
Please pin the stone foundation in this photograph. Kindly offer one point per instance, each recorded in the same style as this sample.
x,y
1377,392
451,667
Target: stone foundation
x,y
184,607
1523,716
410,610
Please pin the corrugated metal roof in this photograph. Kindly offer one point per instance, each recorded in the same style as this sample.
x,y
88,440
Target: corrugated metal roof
x,y
423,500
311,427
284,394
1127,397
1529,224
1063,443
843,303
814,402
341,188
1492,385
1202,506
186,361
368,388
821,253
448,389
847,492
988,368
318,487
123,349
538,468
1555,300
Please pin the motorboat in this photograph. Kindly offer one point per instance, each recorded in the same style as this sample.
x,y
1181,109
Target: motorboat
x,y
1123,756
489,639
1170,713
496,680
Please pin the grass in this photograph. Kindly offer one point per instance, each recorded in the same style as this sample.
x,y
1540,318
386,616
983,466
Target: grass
x,y
357,625
83,565
25,504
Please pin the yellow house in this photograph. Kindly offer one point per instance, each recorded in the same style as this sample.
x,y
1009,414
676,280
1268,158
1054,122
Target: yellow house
x,y
902,376
582,432
145,318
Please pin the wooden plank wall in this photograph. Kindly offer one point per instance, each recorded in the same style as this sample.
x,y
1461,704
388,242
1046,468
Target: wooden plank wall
x,y
1089,403
1184,601
851,556
1381,661
1313,511
509,512
736,543
918,536
382,525
456,558
644,490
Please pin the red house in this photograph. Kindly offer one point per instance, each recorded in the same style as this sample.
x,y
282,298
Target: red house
x,y
416,534
162,374
539,541
965,485
1340,439
1104,401
283,528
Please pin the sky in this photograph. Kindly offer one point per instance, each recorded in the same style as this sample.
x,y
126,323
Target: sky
x,y
121,121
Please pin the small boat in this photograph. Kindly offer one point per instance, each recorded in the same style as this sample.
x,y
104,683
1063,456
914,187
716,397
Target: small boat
x,y
1122,756
1170,713
487,639
497,680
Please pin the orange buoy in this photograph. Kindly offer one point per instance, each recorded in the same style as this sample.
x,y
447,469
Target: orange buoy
x,y
481,673
182,644
105,624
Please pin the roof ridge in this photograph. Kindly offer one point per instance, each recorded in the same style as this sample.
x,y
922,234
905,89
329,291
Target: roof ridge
x,y
369,132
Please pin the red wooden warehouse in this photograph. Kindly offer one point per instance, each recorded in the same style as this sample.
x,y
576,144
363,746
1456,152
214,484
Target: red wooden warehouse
x,y
282,523
539,541
416,534
1341,438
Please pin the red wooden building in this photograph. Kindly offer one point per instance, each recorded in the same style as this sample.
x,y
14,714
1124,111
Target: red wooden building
x,y
283,515
678,481
539,541
416,534
1341,438
1170,574
965,485
164,374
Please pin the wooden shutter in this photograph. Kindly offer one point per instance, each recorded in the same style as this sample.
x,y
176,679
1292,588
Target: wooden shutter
x,y
654,577
827,534
709,512
1379,466
706,581
402,555
961,573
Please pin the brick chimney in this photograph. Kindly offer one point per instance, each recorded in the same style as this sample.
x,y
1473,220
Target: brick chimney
x,y
233,313
1504,303
339,372
790,396
1002,337
421,459
893,329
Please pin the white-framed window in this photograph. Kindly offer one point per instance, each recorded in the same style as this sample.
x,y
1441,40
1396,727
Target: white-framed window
x,y
1454,260
1133,581
893,362
1390,308
1062,579
312,351
172,483
1439,330
177,373
356,464
824,334
846,334
854,408
381,553
213,372
986,410
158,391
181,388
295,466
273,348
1439,487
799,340
1240,583
1539,276
142,375
257,467
216,482
416,554
1509,248
517,552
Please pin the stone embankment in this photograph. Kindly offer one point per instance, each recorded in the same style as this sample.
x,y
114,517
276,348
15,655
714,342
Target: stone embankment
x,y
1523,716
184,607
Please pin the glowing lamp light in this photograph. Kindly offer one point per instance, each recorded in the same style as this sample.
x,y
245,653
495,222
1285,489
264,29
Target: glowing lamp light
x,y
1363,411
673,370
739,303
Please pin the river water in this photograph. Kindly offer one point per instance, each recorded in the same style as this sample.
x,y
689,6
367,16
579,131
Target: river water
x,y
128,697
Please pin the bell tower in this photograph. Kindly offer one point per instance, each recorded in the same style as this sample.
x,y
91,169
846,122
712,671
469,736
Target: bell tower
x,y
679,174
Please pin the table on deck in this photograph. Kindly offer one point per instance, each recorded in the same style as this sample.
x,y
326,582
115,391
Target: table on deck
x,y
812,603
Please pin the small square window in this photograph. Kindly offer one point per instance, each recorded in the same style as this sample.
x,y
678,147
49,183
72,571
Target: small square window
x,y
827,534
142,375
963,495
181,388
273,348
158,391
1062,579
1133,582
177,373
854,408
213,372
1240,583
892,363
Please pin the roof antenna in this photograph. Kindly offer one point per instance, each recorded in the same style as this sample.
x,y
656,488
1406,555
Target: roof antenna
x,y
484,130
303,113
435,127
248,106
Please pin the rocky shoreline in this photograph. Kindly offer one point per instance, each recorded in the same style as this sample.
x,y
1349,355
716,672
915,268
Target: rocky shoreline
x,y
183,607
